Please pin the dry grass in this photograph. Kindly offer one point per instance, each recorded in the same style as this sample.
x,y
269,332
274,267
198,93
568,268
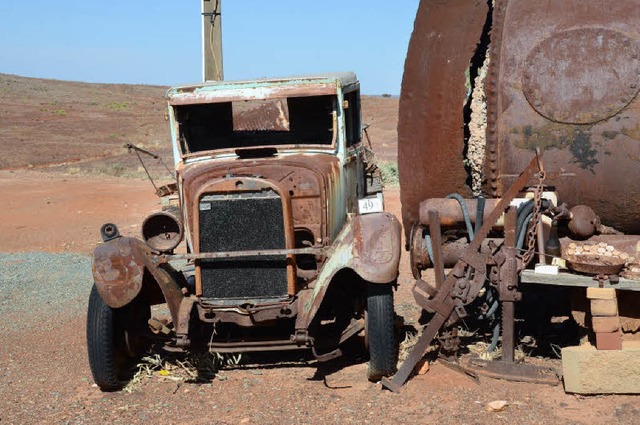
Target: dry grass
x,y
409,341
480,349
193,367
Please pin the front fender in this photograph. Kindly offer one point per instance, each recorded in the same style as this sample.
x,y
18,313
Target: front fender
x,y
369,245
375,247
118,269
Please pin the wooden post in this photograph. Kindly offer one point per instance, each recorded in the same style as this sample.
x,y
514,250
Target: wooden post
x,y
212,40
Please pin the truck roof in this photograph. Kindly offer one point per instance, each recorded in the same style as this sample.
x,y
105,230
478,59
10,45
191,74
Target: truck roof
x,y
262,88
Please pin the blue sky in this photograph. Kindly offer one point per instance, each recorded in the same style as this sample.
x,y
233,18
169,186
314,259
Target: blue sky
x,y
159,42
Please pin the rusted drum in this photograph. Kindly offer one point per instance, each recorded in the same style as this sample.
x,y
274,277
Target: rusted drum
x,y
431,120
564,76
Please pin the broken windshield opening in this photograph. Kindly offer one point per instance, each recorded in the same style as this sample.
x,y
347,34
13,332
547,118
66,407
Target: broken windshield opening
x,y
254,123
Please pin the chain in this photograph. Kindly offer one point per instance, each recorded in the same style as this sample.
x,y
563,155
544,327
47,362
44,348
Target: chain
x,y
537,212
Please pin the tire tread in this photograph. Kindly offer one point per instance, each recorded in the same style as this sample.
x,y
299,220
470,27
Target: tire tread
x,y
380,328
101,343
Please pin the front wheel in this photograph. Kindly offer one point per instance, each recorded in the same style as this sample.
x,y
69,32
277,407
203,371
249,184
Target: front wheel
x,y
379,331
113,340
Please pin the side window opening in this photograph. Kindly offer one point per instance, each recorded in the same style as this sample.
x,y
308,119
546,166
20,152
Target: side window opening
x,y
352,118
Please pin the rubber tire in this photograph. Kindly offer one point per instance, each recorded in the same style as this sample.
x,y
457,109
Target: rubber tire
x,y
108,358
379,329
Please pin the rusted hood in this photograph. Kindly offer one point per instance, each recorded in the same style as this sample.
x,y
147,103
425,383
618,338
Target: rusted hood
x,y
307,180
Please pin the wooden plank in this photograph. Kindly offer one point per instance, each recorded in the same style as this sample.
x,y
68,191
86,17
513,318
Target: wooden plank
x,y
575,280
212,40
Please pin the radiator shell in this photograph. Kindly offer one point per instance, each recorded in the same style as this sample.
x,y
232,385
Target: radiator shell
x,y
242,222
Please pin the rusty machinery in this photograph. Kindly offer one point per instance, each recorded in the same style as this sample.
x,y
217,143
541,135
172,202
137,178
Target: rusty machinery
x,y
562,79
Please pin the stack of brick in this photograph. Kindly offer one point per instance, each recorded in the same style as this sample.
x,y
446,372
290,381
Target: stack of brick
x,y
613,366
604,318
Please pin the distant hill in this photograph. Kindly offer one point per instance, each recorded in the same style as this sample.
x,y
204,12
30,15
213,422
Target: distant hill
x,y
81,127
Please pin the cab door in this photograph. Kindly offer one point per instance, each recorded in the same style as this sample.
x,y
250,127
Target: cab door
x,y
354,159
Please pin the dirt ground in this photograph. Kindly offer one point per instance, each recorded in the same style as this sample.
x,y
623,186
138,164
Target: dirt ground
x,y
44,373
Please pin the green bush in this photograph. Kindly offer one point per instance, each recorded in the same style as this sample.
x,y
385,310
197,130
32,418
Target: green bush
x,y
389,172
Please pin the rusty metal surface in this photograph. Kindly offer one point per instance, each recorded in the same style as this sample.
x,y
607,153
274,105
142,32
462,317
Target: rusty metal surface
x,y
568,77
248,253
491,91
508,286
225,91
375,247
431,121
253,346
319,187
589,264
246,316
450,211
163,231
305,184
451,252
583,221
306,181
418,254
369,245
118,270
564,77
436,240
512,371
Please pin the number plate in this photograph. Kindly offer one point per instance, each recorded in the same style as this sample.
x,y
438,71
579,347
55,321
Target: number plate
x,y
371,205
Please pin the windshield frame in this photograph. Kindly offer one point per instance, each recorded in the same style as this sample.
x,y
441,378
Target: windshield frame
x,y
179,146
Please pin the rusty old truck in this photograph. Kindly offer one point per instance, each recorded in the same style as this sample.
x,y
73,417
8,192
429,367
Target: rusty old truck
x,y
287,245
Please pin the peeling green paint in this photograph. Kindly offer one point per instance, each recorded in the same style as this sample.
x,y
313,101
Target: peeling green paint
x,y
584,154
553,135
561,136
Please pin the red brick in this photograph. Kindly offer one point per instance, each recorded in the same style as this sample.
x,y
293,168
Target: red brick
x,y
609,341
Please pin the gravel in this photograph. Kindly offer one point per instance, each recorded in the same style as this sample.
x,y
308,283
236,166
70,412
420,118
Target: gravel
x,y
39,285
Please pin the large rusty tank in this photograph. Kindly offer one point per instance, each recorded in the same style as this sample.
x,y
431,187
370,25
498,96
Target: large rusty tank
x,y
563,76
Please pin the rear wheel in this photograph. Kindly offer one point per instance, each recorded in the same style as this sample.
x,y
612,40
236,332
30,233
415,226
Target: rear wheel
x,y
113,340
379,330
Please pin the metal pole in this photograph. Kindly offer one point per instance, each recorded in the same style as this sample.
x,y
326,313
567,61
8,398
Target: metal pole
x,y
212,40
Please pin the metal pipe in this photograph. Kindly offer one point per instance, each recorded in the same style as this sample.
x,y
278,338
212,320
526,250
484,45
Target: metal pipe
x,y
479,213
235,254
450,212
541,254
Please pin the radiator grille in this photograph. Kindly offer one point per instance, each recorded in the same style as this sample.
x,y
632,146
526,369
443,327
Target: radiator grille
x,y
242,222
